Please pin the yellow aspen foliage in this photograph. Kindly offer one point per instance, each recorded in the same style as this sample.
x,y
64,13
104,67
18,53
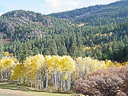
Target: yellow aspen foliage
x,y
67,64
15,60
27,62
92,64
18,72
105,34
97,64
55,63
47,63
34,64
40,60
88,62
55,68
7,63
65,77
1,63
80,65
6,53
108,63
110,34
11,54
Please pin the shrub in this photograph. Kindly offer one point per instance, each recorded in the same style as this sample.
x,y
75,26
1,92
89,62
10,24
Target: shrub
x,y
105,82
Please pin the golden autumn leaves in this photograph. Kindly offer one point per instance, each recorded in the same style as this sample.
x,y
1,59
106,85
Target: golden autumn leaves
x,y
50,63
6,63
61,64
58,71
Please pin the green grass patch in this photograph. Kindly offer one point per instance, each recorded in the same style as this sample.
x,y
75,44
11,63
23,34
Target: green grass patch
x,y
45,94
28,90
14,87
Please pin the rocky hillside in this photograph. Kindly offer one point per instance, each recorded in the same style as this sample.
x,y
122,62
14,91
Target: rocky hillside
x,y
26,24
22,25
98,15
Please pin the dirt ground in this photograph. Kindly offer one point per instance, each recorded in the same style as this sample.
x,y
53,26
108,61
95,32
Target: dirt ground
x,y
8,92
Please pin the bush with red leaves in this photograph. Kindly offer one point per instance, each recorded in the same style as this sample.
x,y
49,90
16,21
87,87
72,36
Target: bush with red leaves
x,y
105,82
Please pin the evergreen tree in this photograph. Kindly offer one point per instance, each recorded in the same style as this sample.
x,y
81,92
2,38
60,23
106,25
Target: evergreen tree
x,y
23,52
46,52
35,51
1,48
30,53
62,50
52,48
73,50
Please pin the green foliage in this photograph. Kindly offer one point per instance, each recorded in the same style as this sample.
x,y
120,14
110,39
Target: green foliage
x,y
1,49
23,52
25,90
98,14
54,36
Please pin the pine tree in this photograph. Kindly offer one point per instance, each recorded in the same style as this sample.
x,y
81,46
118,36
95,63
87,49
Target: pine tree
x,y
46,52
35,51
1,48
52,48
62,50
73,50
23,52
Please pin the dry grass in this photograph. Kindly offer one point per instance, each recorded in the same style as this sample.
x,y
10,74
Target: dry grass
x,y
7,89
15,90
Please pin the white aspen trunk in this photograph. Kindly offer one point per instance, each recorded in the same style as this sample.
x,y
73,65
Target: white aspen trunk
x,y
6,74
64,85
61,81
55,81
18,80
69,82
50,81
35,85
9,75
38,76
31,83
26,80
46,80
42,85
85,72
80,71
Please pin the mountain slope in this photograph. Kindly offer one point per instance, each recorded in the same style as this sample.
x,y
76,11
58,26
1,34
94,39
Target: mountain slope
x,y
20,24
54,36
27,24
96,15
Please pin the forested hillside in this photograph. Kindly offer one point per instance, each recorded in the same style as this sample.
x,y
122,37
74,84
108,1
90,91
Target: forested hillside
x,y
22,25
98,14
103,42
26,33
